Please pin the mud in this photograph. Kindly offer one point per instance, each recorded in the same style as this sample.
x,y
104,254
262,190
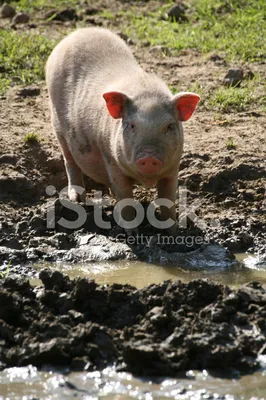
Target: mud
x,y
229,183
170,327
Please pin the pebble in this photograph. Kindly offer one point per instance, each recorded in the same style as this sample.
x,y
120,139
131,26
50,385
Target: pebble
x,y
7,11
177,13
29,91
234,77
20,18
160,50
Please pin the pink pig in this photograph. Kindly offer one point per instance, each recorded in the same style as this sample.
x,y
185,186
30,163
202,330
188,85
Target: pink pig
x,y
115,123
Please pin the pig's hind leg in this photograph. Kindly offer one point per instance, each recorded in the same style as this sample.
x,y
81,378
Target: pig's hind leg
x,y
76,187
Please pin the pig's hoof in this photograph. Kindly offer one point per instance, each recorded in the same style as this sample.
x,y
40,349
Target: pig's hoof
x,y
74,196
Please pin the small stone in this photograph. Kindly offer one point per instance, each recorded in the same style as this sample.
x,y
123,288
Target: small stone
x,y
21,18
160,50
177,13
234,77
29,91
21,227
91,11
7,11
11,159
216,58
69,14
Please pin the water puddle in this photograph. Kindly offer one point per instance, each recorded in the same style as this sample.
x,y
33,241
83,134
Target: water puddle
x,y
28,383
140,274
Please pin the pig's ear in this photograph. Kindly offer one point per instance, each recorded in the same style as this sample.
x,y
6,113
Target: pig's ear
x,y
185,103
115,102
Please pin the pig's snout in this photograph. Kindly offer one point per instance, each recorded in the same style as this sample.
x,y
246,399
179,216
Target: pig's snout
x,y
149,165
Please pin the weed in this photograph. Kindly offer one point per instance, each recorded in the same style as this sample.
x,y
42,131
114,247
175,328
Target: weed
x,y
31,138
230,144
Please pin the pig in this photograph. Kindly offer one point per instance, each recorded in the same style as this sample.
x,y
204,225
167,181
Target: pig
x,y
115,122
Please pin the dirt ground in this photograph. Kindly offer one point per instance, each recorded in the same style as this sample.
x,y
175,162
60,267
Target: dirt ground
x,y
171,327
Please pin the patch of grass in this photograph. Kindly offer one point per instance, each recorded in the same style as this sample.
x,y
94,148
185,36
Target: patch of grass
x,y
31,138
230,144
31,5
22,57
231,99
236,28
107,14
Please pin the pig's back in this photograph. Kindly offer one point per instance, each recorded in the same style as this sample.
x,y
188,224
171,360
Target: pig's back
x,y
91,56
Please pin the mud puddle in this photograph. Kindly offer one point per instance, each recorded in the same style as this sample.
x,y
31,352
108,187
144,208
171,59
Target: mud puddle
x,y
140,274
29,383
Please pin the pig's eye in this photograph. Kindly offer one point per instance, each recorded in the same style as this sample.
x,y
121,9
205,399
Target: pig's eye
x,y
130,125
170,128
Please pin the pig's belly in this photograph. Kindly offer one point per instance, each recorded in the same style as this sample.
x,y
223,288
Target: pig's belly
x,y
92,165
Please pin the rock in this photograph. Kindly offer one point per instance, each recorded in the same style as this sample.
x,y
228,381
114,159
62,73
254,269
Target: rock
x,y
7,11
11,255
20,18
8,159
177,13
91,10
55,163
160,50
12,243
69,14
12,181
99,248
21,227
234,77
29,91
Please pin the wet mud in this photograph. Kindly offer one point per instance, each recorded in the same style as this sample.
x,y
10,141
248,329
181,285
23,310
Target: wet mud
x,y
171,327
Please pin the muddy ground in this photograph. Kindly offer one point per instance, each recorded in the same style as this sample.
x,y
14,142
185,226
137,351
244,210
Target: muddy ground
x,y
170,327
230,182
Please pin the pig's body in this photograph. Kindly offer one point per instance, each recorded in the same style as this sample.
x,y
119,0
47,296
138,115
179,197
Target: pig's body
x,y
115,123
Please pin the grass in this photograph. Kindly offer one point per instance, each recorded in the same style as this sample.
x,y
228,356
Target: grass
x,y
234,27
22,57
231,99
230,144
31,138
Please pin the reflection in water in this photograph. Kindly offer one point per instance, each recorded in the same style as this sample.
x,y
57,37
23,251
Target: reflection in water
x,y
28,383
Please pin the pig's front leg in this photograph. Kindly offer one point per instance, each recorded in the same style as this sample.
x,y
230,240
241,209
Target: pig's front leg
x,y
121,187
167,190
74,174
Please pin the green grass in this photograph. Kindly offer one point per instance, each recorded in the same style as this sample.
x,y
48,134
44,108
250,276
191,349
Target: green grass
x,y
231,99
22,57
31,138
236,28
230,144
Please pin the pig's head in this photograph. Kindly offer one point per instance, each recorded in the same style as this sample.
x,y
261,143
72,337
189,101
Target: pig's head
x,y
150,142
